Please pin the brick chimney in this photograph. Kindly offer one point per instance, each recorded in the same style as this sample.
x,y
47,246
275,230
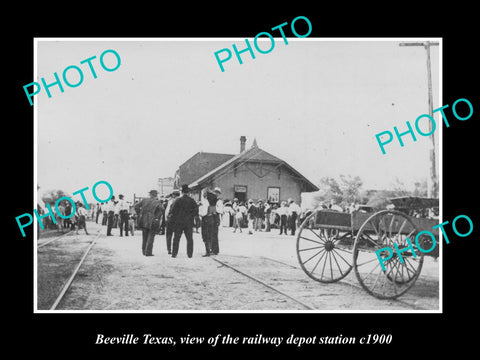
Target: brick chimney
x,y
243,139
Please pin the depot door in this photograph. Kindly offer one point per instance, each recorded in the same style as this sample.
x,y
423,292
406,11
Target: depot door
x,y
240,192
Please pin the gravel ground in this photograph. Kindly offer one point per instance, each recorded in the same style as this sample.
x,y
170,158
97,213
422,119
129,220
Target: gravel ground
x,y
116,276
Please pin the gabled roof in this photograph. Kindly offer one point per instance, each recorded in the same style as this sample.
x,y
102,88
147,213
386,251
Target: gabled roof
x,y
252,154
198,165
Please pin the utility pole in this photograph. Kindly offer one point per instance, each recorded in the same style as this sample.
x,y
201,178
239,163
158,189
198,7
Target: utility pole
x,y
432,180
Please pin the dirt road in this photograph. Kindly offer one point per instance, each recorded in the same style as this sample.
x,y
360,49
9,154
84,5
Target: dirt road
x,y
116,276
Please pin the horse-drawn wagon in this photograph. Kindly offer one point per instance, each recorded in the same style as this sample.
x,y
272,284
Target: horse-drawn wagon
x,y
330,244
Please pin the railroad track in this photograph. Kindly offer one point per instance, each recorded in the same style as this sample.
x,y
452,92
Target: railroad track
x,y
251,277
52,240
344,282
69,282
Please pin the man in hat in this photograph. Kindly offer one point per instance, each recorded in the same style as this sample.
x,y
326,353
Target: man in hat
x,y
252,213
168,220
123,212
183,211
149,212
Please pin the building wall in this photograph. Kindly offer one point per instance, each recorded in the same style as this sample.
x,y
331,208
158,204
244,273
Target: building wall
x,y
247,175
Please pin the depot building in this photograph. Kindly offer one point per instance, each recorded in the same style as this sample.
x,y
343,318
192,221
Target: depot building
x,y
251,174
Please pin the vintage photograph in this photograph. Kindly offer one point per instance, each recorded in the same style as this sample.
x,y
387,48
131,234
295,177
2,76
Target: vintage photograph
x,y
293,181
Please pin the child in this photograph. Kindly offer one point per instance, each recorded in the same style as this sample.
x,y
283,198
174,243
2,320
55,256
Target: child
x,y
238,217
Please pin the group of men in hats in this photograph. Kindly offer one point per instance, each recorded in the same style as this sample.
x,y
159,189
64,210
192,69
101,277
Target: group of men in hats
x,y
115,213
180,214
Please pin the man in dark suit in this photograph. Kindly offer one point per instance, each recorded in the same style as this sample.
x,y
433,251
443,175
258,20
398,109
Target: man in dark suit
x,y
183,211
149,212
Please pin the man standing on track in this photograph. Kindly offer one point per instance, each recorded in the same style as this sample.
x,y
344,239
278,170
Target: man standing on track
x,y
149,212
183,211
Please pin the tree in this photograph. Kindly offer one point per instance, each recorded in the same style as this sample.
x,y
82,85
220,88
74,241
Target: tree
x,y
342,192
331,189
51,196
399,188
350,188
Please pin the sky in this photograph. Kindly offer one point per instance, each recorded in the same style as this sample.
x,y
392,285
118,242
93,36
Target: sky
x,y
315,103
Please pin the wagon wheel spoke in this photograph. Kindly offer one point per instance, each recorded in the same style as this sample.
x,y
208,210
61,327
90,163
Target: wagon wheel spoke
x,y
393,282
410,235
318,255
318,242
397,266
387,228
372,241
376,280
338,265
367,262
335,251
310,258
407,264
318,236
318,262
323,269
374,228
330,261
371,271
312,248
382,222
401,227
391,225
348,252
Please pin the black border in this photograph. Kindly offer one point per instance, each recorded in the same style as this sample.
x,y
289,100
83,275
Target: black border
x,y
414,334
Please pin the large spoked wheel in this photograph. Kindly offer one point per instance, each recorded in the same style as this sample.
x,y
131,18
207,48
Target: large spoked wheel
x,y
378,235
325,254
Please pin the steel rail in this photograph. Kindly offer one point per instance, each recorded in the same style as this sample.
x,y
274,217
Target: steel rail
x,y
346,282
70,280
264,284
52,240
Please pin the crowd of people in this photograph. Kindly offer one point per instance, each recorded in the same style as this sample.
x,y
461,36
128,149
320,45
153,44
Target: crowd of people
x,y
63,219
261,216
178,214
